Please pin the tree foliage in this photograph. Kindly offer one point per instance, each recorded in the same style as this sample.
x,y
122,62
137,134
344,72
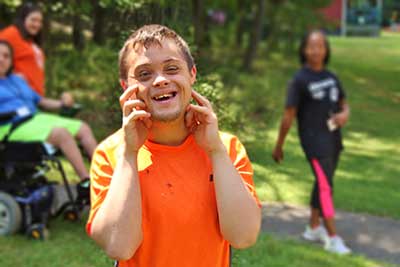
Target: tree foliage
x,y
106,20
223,35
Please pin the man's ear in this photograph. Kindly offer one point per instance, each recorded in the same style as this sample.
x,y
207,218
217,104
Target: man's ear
x,y
193,73
123,84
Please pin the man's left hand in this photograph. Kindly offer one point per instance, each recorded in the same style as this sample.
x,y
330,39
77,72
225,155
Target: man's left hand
x,y
203,122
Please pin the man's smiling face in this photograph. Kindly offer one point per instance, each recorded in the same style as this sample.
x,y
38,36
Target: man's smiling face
x,y
163,79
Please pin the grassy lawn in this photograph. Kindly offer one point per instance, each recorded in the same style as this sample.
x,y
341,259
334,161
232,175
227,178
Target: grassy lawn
x,y
281,253
367,179
69,246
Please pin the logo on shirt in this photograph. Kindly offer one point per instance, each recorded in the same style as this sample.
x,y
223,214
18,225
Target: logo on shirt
x,y
318,90
334,94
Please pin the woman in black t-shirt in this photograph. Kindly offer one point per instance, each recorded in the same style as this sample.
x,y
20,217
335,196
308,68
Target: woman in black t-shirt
x,y
316,98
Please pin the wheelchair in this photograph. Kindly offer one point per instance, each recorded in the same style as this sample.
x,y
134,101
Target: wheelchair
x,y
26,195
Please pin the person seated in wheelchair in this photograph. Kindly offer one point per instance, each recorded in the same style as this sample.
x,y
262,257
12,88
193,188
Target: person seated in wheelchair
x,y
16,96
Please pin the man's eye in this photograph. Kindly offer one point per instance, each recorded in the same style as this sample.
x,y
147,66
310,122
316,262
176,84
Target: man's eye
x,y
144,74
172,68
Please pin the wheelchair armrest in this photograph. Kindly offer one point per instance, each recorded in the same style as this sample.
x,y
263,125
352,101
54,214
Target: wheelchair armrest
x,y
70,111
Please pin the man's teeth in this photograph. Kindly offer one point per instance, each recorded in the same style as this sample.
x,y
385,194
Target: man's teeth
x,y
163,96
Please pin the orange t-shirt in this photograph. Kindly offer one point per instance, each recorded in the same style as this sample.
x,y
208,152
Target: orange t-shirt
x,y
179,210
28,58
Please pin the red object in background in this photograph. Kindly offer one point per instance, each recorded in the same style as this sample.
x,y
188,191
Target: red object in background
x,y
334,11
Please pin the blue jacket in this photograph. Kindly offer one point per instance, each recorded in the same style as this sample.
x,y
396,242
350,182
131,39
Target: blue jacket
x,y
17,96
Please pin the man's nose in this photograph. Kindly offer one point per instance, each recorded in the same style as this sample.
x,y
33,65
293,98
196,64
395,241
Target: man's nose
x,y
160,81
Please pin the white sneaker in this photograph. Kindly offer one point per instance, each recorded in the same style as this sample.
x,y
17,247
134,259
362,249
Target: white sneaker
x,y
317,234
336,245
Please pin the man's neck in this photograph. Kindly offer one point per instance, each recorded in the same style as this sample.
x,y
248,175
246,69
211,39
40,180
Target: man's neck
x,y
169,133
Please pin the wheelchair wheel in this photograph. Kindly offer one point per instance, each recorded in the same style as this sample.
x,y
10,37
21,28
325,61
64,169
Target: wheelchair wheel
x,y
38,231
10,215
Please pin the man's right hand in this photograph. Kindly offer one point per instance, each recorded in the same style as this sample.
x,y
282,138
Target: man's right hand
x,y
136,120
277,154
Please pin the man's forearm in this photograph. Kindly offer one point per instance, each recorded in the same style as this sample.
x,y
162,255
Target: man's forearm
x,y
117,226
238,212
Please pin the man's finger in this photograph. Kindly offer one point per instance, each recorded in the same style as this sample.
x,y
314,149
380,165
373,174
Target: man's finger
x,y
129,93
129,105
201,109
204,114
137,114
201,100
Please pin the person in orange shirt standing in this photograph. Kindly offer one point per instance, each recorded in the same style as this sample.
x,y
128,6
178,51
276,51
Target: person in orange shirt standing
x,y
25,38
168,188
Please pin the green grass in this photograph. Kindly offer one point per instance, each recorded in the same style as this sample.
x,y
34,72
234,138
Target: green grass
x,y
270,251
69,246
367,178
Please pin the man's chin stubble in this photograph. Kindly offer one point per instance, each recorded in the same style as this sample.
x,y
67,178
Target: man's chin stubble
x,y
166,118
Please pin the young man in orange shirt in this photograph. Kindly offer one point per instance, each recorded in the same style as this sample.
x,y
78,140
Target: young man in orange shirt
x,y
169,189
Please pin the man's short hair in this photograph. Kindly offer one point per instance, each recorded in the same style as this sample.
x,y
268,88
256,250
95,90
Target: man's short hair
x,y
148,35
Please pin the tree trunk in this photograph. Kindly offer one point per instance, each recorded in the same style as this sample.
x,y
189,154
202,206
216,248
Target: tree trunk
x,y
273,16
271,39
198,22
6,16
255,36
240,28
98,22
46,33
77,34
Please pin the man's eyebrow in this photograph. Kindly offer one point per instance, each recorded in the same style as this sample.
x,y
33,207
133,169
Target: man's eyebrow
x,y
143,65
173,59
